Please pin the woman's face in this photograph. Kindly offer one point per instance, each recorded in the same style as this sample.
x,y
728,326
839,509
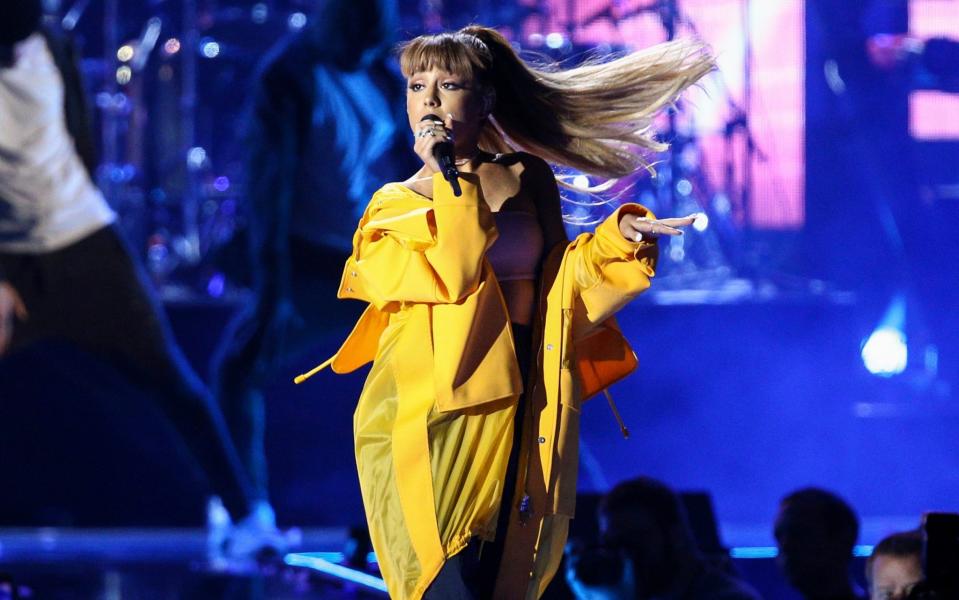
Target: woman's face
x,y
437,92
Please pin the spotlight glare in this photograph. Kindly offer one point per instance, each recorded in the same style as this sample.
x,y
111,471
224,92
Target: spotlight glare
x,y
701,222
216,285
297,20
581,181
259,13
885,352
722,204
125,53
554,40
171,46
209,48
124,75
196,158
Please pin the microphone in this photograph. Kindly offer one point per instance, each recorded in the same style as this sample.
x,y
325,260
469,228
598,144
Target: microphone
x,y
444,153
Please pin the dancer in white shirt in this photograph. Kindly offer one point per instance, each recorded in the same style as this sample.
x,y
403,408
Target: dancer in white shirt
x,y
65,272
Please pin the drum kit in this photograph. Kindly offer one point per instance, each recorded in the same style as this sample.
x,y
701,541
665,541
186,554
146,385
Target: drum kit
x,y
171,86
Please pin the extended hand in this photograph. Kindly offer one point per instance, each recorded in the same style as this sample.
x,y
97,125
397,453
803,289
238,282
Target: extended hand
x,y
10,305
635,228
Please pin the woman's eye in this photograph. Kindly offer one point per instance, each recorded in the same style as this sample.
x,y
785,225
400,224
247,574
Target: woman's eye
x,y
416,87
450,85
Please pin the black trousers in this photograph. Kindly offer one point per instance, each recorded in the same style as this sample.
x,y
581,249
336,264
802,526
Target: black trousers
x,y
265,336
93,295
471,574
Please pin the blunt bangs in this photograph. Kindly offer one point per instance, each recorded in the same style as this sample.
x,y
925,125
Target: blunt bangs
x,y
461,54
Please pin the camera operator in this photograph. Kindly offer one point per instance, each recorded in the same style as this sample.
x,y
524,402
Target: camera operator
x,y
647,551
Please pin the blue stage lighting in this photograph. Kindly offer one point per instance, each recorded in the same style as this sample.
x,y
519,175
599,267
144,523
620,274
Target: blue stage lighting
x,y
209,48
885,352
747,552
260,13
196,158
318,562
297,21
701,222
555,40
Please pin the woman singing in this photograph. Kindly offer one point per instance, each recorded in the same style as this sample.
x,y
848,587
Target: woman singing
x,y
486,326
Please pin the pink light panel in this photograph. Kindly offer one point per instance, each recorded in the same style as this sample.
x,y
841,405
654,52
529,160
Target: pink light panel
x,y
934,115
776,104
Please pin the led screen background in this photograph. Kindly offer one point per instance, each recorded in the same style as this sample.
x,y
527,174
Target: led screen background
x,y
776,102
934,114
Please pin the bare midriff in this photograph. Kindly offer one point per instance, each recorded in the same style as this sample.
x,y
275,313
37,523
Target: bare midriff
x,y
520,296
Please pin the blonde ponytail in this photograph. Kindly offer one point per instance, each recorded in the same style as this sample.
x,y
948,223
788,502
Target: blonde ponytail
x,y
595,117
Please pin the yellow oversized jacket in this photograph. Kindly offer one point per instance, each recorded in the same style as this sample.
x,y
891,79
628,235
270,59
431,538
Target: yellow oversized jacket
x,y
427,258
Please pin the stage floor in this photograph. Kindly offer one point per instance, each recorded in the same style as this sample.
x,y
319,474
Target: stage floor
x,y
172,563
117,563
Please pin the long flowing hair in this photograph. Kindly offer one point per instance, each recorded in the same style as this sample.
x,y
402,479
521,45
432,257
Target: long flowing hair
x,y
595,117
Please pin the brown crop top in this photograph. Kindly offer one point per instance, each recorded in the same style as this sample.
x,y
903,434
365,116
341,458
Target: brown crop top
x,y
516,253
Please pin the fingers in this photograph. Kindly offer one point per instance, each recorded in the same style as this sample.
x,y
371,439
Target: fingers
x,y
637,228
658,228
428,134
431,129
631,230
678,221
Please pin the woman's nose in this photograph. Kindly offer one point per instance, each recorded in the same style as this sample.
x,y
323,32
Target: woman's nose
x,y
432,98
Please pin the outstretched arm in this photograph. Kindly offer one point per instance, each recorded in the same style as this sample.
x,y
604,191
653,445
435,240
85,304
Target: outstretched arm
x,y
614,264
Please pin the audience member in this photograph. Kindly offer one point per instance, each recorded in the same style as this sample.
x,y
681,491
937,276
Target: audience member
x,y
644,528
895,566
816,532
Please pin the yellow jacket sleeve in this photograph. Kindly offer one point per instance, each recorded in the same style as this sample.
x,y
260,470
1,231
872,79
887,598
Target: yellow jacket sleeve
x,y
609,270
431,254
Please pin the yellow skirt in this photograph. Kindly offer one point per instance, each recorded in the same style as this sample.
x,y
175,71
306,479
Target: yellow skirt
x,y
430,481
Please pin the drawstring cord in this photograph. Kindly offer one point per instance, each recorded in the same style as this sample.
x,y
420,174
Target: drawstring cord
x,y
303,377
619,419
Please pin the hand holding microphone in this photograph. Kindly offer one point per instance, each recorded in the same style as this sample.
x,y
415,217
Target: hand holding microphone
x,y
434,144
